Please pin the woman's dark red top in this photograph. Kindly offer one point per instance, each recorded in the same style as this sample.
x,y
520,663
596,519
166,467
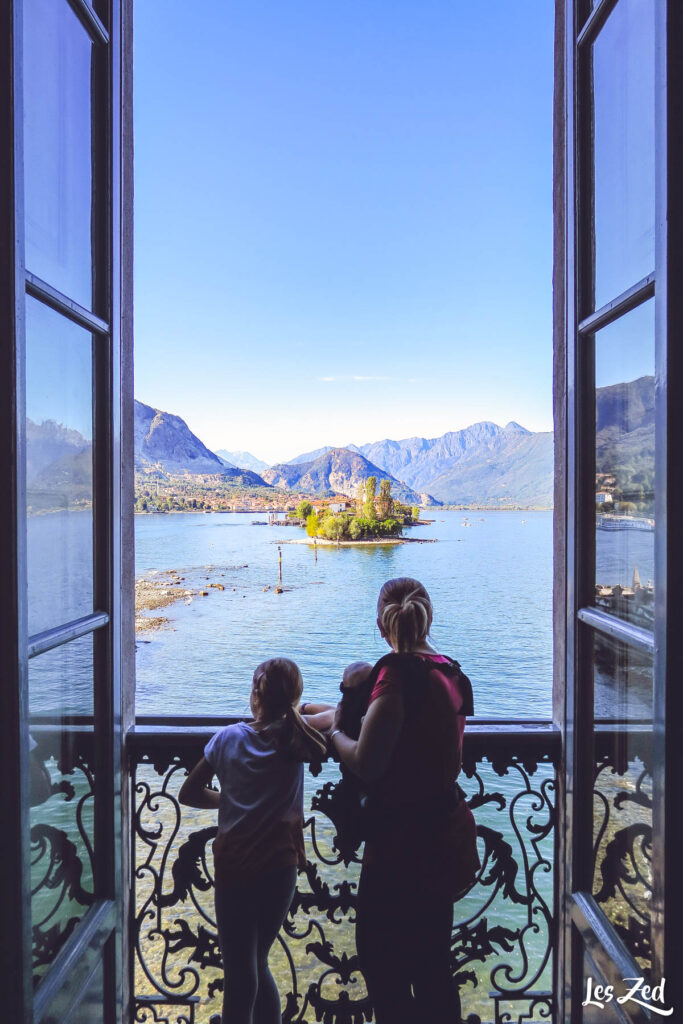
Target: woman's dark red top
x,y
436,847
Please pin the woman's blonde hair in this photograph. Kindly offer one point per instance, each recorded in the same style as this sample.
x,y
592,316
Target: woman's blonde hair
x,y
404,612
277,686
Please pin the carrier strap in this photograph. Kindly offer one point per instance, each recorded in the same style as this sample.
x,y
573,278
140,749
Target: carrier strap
x,y
414,670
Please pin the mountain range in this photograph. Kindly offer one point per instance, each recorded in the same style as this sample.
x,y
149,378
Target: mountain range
x,y
165,443
481,464
58,467
338,470
625,433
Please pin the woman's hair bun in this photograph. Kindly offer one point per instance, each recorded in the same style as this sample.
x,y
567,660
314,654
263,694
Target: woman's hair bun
x,y
404,610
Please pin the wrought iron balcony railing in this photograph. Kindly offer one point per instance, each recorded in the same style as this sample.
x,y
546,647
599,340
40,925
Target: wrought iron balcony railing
x,y
503,934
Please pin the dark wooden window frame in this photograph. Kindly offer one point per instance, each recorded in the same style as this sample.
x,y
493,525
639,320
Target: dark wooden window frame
x,y
111,622
577,25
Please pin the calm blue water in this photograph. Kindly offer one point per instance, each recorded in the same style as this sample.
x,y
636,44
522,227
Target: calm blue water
x,y
490,582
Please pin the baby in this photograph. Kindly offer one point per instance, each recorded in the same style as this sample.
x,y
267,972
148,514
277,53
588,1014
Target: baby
x,y
345,805
355,699
356,688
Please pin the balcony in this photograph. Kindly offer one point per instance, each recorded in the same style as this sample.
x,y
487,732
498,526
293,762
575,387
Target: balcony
x,y
504,937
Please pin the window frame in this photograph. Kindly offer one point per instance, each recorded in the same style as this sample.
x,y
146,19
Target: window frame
x,y
101,936
575,326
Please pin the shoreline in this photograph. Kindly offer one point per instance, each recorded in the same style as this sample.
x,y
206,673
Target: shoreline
x,y
324,542
154,594
433,509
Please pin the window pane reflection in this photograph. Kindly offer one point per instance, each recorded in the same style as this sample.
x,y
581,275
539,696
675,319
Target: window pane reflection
x,y
605,1014
58,468
623,91
61,795
622,798
625,467
58,155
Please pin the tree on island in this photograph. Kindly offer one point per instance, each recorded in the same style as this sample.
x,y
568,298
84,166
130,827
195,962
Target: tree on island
x,y
336,527
303,509
360,498
385,503
312,524
370,490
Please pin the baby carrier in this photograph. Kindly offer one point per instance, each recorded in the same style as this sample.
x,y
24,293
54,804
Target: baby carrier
x,y
355,811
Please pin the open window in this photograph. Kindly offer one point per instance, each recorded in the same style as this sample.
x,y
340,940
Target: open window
x,y
622,549
64,345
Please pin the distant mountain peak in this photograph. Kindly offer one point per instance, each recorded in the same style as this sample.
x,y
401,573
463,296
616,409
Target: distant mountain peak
x,y
164,438
164,441
242,459
335,470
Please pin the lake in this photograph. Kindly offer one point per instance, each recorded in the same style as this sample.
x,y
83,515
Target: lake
x,y
489,576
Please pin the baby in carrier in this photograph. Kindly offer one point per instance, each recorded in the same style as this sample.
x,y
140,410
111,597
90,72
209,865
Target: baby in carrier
x,y
350,795
356,687
352,812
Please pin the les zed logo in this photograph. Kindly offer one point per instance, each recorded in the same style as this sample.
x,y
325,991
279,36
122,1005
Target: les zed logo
x,y
639,993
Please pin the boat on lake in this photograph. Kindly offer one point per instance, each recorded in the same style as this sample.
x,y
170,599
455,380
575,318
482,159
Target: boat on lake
x,y
611,521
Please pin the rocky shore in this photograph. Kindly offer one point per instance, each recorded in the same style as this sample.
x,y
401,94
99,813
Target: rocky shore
x,y
156,591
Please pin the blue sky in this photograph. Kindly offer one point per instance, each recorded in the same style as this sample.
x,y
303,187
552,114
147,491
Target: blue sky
x,y
343,217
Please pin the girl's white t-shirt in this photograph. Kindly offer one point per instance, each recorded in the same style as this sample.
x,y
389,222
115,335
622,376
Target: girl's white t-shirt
x,y
259,784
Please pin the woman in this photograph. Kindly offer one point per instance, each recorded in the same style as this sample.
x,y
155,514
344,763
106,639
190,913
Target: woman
x,y
420,851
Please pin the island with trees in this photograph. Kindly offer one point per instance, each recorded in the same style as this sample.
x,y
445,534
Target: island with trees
x,y
373,516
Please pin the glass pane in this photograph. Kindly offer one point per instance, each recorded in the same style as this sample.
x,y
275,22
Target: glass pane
x,y
624,149
622,797
58,468
58,156
598,1009
61,795
92,1007
625,467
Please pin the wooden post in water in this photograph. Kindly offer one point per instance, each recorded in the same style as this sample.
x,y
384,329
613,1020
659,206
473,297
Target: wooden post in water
x,y
277,589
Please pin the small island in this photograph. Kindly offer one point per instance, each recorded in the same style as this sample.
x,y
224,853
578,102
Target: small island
x,y
372,518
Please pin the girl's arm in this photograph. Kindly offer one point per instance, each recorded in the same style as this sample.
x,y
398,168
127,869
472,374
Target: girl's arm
x,y
319,716
320,720
368,757
310,707
195,790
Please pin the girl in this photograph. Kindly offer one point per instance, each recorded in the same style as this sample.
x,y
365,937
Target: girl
x,y
260,843
420,850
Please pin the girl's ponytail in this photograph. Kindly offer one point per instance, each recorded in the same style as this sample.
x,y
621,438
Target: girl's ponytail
x,y
301,741
278,685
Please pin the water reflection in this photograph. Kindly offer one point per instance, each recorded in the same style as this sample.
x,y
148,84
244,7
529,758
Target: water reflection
x,y
625,466
62,795
622,795
59,466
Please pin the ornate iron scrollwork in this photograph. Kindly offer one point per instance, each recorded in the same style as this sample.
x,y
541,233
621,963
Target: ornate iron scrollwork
x,y
503,933
622,846
61,851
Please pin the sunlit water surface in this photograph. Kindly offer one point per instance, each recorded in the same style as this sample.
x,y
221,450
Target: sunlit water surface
x,y
489,576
